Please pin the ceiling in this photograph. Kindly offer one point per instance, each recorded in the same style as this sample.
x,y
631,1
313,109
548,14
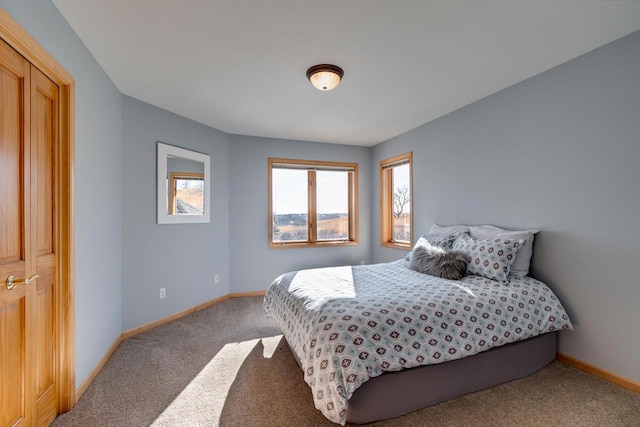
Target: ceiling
x,y
239,65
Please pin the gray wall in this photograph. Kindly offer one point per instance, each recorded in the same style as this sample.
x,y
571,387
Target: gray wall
x,y
183,258
558,152
98,170
252,264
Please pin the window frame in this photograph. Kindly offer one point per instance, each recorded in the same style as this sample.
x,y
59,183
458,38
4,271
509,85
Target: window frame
x,y
386,201
312,166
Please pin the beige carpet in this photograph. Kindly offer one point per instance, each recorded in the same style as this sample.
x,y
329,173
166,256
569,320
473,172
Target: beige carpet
x,y
229,366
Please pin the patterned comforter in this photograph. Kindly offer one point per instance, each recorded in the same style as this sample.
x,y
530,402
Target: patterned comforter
x,y
350,324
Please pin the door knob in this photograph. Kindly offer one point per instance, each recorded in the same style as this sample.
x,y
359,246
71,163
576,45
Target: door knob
x,y
12,281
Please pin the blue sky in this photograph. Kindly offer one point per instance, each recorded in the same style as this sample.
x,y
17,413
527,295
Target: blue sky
x,y
290,190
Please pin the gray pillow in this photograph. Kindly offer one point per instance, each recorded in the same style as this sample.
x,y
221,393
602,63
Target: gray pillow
x,y
520,265
450,265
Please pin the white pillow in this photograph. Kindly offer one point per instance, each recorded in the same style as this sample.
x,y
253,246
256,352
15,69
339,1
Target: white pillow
x,y
520,266
436,240
428,241
449,230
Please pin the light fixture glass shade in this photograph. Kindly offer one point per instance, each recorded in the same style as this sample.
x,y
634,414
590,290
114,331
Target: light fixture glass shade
x,y
325,76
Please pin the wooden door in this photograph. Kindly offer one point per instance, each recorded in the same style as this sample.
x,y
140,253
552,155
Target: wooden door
x,y
29,342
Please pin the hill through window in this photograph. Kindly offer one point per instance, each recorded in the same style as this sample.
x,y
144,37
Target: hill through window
x,y
312,203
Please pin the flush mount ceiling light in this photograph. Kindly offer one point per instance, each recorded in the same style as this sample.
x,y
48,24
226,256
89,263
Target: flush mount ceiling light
x,y
325,76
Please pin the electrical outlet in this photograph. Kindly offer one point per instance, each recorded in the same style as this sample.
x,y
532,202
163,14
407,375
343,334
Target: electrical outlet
x,y
362,262
216,279
163,293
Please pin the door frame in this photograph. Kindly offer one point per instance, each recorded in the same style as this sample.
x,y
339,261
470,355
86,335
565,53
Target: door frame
x,y
18,38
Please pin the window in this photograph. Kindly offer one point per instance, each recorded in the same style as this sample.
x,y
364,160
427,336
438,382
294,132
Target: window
x,y
395,201
186,193
312,203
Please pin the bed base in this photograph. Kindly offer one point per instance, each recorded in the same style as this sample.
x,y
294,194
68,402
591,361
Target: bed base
x,y
394,394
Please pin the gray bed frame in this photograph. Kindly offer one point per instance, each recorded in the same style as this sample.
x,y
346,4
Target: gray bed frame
x,y
397,393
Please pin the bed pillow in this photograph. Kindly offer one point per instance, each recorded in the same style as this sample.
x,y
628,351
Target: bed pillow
x,y
428,240
490,258
520,266
436,240
439,262
450,230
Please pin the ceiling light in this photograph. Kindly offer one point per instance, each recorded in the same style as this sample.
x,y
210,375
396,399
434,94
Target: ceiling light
x,y
325,76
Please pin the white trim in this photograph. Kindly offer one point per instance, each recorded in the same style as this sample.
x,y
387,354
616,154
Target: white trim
x,y
165,150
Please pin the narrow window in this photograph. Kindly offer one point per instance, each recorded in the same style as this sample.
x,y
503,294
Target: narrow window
x,y
395,201
312,203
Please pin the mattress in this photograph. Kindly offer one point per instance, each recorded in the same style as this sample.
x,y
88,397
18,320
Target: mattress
x,y
347,325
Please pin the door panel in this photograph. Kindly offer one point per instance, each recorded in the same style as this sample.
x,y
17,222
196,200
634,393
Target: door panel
x,y
44,344
11,160
44,338
29,312
43,131
44,115
14,215
12,361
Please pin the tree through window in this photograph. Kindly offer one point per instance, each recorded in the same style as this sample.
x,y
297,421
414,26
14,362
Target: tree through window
x,y
395,196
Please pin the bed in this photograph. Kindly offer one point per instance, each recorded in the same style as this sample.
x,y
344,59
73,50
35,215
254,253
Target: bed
x,y
382,340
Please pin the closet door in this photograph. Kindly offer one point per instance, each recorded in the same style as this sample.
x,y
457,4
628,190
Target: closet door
x,y
28,303
44,316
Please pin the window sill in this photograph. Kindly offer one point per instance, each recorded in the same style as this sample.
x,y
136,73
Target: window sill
x,y
396,245
332,244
